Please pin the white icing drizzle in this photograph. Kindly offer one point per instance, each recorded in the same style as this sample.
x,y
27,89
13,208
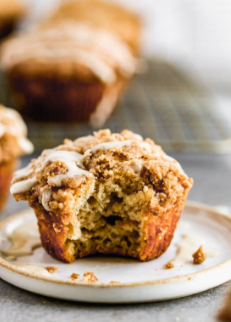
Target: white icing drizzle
x,y
115,144
46,195
24,239
136,167
188,245
105,107
98,49
26,145
35,269
24,172
23,186
69,158
12,123
166,157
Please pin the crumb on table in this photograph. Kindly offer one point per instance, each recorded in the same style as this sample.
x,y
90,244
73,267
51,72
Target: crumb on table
x,y
74,276
169,265
199,256
51,269
89,277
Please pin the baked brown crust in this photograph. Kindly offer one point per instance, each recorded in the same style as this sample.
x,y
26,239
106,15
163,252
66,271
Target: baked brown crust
x,y
127,201
6,172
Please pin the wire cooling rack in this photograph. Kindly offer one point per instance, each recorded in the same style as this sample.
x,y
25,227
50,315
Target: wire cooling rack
x,y
163,104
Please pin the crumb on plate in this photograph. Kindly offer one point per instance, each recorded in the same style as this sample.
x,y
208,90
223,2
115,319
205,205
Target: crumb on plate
x,y
89,277
74,276
169,265
51,269
199,256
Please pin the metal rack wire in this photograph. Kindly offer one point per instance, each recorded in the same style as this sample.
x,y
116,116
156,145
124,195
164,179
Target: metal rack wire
x,y
163,104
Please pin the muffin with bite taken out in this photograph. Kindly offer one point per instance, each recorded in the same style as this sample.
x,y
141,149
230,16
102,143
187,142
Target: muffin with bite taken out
x,y
109,193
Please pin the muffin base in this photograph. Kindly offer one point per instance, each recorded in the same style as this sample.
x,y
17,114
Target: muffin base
x,y
55,99
157,234
6,171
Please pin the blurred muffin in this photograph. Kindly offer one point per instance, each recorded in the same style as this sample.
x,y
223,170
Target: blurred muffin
x,y
13,143
10,12
224,314
71,69
107,15
108,193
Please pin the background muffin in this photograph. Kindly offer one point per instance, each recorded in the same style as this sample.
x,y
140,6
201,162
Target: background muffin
x,y
10,12
107,193
13,143
107,15
74,67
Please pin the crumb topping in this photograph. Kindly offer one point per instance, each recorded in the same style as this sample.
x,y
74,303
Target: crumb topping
x,y
74,276
199,256
13,132
51,269
89,277
64,176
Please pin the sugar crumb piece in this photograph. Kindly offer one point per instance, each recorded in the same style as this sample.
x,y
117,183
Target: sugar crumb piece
x,y
169,265
189,278
74,276
89,277
114,282
199,256
51,269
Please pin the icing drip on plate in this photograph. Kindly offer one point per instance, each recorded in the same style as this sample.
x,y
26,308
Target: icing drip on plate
x,y
24,239
35,269
188,246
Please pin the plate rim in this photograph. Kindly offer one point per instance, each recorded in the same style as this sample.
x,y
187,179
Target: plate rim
x,y
191,204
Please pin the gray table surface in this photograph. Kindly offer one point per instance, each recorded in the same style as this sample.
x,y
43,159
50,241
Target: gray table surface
x,y
212,186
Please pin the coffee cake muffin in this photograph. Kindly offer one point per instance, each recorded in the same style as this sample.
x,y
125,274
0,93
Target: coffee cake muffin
x,y
107,193
69,69
13,143
10,12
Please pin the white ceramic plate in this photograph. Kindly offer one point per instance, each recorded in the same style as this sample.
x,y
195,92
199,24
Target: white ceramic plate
x,y
139,282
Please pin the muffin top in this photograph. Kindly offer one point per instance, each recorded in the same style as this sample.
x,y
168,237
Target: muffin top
x,y
69,48
105,14
13,132
71,169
